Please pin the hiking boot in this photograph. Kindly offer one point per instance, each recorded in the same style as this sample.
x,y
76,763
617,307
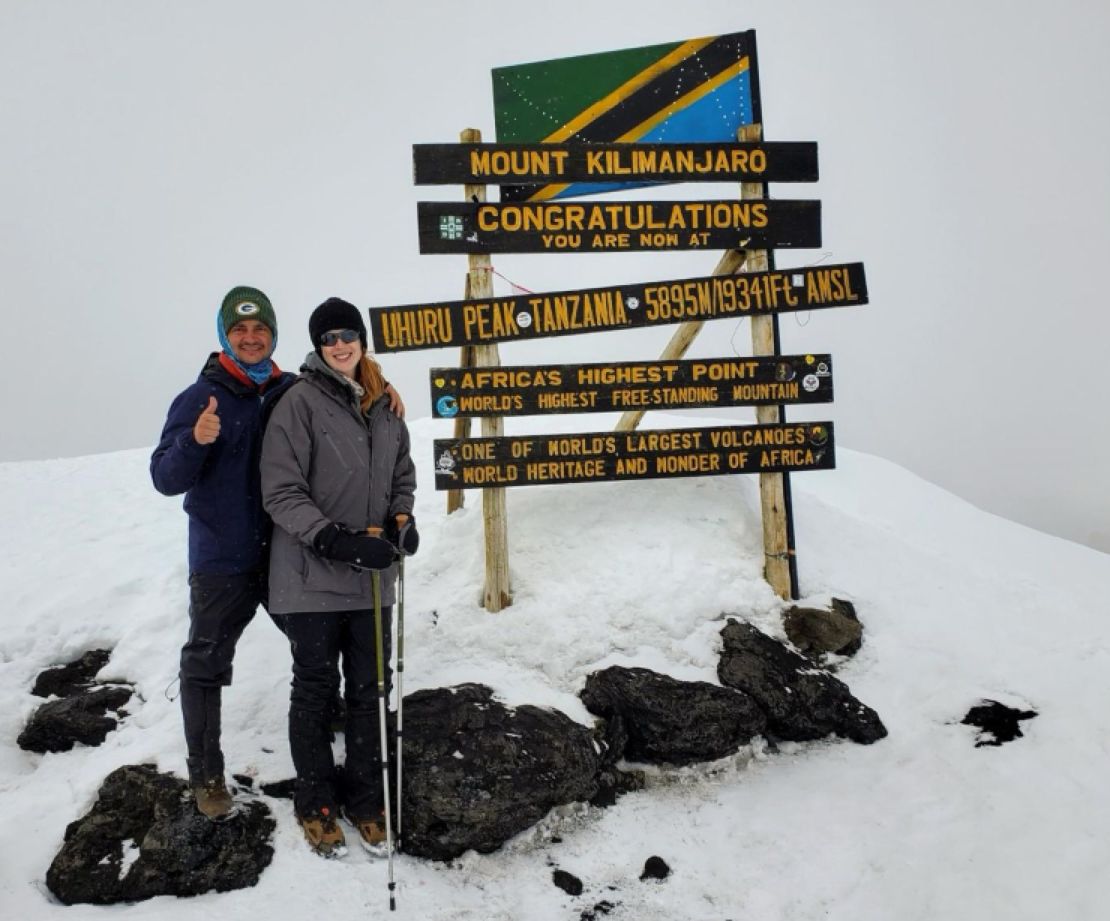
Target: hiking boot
x,y
371,834
213,800
323,833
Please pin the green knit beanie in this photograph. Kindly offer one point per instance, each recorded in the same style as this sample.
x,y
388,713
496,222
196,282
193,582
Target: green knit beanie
x,y
245,303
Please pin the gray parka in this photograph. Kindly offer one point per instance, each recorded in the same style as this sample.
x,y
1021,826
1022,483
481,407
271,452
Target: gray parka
x,y
324,461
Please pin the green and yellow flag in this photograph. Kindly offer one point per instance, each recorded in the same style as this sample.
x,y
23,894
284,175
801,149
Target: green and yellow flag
x,y
702,89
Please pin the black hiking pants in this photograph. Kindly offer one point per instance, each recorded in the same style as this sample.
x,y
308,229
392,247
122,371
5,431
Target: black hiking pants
x,y
220,607
317,640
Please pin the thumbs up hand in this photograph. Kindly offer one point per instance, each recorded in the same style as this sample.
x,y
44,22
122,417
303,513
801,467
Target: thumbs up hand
x,y
207,429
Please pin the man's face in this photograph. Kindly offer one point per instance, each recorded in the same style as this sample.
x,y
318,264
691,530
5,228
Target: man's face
x,y
251,341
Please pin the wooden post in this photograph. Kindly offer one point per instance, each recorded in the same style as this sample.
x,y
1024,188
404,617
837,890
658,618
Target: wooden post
x,y
772,486
496,594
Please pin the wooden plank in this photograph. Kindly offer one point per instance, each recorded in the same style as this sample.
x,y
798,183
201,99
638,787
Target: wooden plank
x,y
446,324
627,226
496,593
526,390
495,164
606,456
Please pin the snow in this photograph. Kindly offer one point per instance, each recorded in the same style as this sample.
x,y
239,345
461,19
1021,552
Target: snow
x,y
958,605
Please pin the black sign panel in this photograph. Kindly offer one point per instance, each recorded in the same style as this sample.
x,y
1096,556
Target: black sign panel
x,y
652,454
620,386
562,313
497,164
596,227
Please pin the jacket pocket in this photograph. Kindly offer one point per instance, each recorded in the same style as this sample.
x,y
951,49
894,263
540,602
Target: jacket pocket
x,y
322,575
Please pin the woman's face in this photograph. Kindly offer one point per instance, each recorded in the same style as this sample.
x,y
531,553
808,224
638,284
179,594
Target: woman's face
x,y
342,356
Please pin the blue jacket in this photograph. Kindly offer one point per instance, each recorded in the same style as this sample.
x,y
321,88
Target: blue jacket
x,y
228,530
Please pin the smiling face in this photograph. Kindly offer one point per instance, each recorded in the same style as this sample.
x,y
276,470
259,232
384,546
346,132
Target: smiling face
x,y
251,341
343,356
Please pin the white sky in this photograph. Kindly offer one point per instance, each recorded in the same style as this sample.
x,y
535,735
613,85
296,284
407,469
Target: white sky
x,y
156,154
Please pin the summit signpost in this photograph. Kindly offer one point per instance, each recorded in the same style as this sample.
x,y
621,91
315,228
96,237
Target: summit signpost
x,y
686,111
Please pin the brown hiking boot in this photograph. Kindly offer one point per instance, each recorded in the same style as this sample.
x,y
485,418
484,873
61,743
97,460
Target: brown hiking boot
x,y
323,833
213,800
371,833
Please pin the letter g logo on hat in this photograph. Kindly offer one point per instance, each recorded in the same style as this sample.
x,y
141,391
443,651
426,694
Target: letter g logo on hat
x,y
247,309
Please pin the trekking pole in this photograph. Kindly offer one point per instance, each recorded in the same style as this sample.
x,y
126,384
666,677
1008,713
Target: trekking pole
x,y
400,680
376,578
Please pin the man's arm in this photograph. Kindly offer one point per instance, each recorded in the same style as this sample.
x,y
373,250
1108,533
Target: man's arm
x,y
177,462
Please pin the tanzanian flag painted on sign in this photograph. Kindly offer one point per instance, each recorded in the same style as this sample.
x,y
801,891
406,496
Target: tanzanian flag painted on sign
x,y
702,89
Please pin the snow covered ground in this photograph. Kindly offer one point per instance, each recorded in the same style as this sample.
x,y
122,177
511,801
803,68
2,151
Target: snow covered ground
x,y
958,605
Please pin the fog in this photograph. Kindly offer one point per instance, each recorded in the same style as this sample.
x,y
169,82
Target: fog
x,y
156,154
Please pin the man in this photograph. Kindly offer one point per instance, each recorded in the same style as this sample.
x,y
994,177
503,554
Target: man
x,y
209,450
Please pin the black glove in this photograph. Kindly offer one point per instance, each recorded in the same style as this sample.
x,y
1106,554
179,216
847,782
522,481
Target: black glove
x,y
360,550
405,538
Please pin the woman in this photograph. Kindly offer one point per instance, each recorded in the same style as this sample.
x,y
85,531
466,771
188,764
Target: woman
x,y
336,471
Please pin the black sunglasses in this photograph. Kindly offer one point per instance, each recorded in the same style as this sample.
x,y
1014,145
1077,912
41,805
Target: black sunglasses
x,y
339,335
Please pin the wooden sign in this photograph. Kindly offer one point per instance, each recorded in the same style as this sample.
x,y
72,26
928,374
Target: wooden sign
x,y
594,226
500,164
602,456
692,384
699,89
562,313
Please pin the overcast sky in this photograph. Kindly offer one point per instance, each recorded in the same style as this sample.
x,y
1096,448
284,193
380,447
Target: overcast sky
x,y
156,154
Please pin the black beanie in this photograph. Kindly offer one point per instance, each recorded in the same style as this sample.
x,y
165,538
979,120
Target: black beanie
x,y
335,313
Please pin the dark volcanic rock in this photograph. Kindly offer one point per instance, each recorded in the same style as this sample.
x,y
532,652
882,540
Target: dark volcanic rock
x,y
78,675
58,725
478,772
671,721
568,882
613,783
144,837
817,632
280,789
802,702
655,868
998,722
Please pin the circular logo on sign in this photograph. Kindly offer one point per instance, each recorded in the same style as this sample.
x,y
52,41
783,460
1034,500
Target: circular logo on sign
x,y
818,435
810,383
524,319
440,382
632,303
247,309
446,406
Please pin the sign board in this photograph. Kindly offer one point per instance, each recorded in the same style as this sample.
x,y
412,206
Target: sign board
x,y
594,226
586,310
643,455
619,386
500,164
700,89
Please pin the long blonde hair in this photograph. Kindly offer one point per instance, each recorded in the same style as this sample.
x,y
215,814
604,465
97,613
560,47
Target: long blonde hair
x,y
369,375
